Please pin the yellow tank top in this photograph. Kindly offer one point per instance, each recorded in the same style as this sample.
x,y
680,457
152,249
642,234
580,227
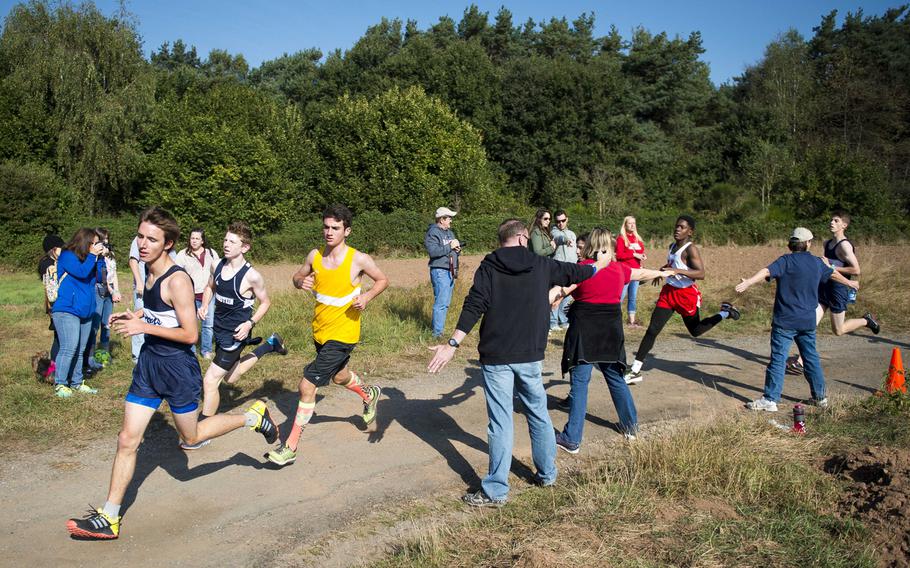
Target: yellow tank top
x,y
334,318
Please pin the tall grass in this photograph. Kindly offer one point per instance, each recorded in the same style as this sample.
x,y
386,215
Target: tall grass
x,y
732,493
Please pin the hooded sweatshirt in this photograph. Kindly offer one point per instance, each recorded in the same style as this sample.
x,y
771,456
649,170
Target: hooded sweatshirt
x,y
76,293
436,241
510,291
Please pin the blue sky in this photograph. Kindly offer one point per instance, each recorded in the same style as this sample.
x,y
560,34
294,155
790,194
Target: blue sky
x,y
734,33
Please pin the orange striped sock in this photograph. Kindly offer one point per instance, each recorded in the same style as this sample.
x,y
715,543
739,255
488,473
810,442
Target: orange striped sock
x,y
355,385
304,413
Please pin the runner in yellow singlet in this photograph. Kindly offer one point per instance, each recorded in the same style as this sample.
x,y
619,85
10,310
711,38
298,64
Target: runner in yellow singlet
x,y
333,275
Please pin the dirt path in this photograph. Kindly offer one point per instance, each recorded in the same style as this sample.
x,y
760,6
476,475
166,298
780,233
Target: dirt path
x,y
223,506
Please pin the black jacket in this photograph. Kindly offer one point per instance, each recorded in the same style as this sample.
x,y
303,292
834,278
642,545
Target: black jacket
x,y
510,292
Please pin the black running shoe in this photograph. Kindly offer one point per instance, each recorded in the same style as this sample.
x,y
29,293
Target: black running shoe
x,y
96,525
266,425
730,309
278,344
872,323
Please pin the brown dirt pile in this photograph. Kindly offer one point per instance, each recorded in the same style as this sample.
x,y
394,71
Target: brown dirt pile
x,y
878,494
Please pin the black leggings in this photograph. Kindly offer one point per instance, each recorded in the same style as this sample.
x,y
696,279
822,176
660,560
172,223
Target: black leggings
x,y
659,319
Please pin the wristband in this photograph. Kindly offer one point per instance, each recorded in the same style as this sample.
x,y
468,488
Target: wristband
x,y
252,323
453,343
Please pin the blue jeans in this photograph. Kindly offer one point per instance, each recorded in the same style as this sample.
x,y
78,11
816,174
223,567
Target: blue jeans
x,y
578,397
103,307
560,316
207,325
500,382
780,347
632,289
73,334
139,339
104,341
443,282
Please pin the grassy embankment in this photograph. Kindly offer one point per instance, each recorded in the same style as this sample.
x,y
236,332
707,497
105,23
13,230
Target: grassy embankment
x,y
731,492
395,337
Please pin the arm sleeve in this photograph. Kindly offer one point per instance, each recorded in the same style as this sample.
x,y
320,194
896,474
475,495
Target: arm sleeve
x,y
539,245
825,272
70,264
434,245
134,249
477,300
567,273
622,251
776,268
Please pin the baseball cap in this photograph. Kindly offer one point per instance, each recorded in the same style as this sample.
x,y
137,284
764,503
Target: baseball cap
x,y
801,234
445,212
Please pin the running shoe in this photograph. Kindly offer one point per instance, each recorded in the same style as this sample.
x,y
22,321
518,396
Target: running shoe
x,y
275,341
762,404
819,402
369,408
265,426
629,436
564,444
84,389
95,525
633,377
282,456
730,309
481,499
196,446
872,323
63,391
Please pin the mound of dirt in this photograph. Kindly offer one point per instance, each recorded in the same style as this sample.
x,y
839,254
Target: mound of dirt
x,y
878,494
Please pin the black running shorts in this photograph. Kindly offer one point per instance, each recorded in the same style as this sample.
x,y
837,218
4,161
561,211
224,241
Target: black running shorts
x,y
331,357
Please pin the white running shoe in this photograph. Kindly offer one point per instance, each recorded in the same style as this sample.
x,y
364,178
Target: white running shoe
x,y
762,404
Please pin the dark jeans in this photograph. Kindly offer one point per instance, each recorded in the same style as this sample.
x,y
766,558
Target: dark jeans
x,y
659,319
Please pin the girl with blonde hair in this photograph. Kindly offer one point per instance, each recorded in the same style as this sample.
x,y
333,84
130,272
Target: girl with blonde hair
x,y
595,337
630,250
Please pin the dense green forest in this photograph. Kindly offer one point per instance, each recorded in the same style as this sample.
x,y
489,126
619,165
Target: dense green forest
x,y
485,114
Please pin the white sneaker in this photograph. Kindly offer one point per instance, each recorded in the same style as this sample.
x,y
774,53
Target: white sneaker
x,y
762,404
630,437
820,403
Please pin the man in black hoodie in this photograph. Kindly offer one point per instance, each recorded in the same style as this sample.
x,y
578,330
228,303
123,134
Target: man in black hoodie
x,y
511,292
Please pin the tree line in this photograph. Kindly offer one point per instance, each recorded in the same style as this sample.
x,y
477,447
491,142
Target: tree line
x,y
483,114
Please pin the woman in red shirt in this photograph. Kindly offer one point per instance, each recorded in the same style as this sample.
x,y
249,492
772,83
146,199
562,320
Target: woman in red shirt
x,y
630,250
595,337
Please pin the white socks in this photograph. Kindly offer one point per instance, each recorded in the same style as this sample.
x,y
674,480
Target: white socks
x,y
636,366
111,510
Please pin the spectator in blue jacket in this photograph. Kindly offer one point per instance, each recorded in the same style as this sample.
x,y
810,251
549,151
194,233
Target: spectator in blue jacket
x,y
73,311
443,248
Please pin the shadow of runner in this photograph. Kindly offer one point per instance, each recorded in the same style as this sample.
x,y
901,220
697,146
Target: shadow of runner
x,y
159,449
687,370
741,353
886,341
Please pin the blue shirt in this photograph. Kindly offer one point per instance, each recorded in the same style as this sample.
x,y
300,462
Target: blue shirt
x,y
798,276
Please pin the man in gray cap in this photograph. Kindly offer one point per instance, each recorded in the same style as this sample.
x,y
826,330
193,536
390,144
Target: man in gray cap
x,y
798,276
443,248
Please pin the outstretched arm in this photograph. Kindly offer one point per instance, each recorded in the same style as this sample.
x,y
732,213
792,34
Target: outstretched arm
x,y
744,285
648,274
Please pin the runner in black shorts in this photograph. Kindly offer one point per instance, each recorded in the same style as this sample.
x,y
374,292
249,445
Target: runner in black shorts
x,y
166,370
236,286
334,275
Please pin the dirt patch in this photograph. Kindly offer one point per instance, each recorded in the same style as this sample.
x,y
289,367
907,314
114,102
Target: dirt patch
x,y
878,494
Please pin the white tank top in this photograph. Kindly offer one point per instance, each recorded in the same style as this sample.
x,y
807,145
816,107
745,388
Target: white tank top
x,y
674,260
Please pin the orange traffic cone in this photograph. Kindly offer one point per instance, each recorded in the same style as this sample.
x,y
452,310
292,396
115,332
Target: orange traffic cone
x,y
895,381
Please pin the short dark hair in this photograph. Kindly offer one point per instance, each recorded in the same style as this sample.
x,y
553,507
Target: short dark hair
x,y
243,231
339,213
797,246
688,219
162,219
844,216
560,212
510,228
